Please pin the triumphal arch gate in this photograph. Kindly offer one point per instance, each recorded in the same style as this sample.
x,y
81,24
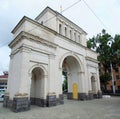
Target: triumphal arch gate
x,y
40,51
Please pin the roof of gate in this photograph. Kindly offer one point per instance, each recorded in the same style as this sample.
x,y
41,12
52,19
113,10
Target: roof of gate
x,y
57,14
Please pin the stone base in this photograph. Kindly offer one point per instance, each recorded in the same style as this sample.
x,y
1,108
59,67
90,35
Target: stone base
x,y
82,96
95,96
7,103
69,96
38,102
91,96
51,100
60,100
99,94
20,104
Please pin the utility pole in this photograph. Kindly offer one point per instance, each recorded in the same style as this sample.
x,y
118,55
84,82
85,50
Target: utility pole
x,y
113,83
109,43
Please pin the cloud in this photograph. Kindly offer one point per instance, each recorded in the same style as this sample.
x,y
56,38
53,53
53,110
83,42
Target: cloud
x,y
11,11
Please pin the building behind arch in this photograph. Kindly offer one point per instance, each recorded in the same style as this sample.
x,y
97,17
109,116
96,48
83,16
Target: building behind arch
x,y
40,50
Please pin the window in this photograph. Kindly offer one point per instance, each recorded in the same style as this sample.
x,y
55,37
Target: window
x,y
116,69
60,29
117,77
75,36
1,83
65,31
118,87
70,34
79,40
111,87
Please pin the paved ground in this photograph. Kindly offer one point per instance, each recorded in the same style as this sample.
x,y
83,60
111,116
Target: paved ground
x,y
106,108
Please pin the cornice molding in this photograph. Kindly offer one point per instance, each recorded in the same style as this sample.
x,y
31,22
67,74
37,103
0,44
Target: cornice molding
x,y
91,59
33,22
23,35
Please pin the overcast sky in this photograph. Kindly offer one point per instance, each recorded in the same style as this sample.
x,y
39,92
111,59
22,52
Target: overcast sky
x,y
11,11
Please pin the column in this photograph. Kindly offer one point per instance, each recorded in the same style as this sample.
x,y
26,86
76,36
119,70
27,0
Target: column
x,y
98,80
51,72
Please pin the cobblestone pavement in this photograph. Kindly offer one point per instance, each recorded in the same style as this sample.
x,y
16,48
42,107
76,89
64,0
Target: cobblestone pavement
x,y
106,108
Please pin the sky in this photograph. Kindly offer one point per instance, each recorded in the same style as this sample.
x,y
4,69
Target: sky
x,y
92,18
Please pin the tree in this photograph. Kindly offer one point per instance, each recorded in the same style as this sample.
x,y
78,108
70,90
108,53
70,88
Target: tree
x,y
116,50
65,82
106,53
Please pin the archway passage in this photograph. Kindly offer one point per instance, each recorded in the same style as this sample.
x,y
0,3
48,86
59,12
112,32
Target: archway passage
x,y
72,68
37,86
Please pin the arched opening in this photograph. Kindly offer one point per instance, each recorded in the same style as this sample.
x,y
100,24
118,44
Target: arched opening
x,y
71,70
75,36
37,86
93,84
65,31
70,34
60,29
79,39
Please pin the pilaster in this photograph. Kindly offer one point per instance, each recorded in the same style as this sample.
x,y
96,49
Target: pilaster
x,y
51,73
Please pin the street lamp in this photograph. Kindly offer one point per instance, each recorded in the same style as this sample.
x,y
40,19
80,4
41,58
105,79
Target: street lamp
x,y
109,43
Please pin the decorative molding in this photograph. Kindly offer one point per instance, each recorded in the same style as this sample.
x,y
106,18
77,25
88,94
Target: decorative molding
x,y
52,56
81,72
26,35
91,59
24,48
15,51
39,63
89,65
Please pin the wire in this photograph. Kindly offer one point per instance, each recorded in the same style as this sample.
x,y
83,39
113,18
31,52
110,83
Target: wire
x,y
95,15
70,6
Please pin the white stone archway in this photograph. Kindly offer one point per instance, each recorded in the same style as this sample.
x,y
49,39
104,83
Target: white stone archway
x,y
38,56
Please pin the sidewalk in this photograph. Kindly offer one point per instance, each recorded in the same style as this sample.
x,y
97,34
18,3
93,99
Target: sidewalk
x,y
106,108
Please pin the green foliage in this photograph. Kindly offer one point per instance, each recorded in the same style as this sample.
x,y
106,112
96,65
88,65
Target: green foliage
x,y
116,50
65,82
89,45
104,78
106,53
103,49
65,85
